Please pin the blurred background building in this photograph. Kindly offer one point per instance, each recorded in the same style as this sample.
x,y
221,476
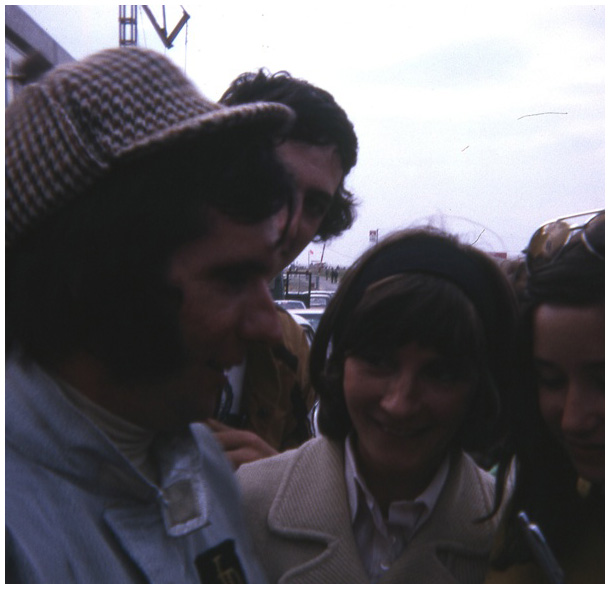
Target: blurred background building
x,y
29,51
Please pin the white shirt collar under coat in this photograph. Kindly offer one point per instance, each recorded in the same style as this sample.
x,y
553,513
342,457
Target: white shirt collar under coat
x,y
381,541
354,480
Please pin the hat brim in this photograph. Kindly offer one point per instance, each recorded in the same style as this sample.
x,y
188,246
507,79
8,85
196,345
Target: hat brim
x,y
258,118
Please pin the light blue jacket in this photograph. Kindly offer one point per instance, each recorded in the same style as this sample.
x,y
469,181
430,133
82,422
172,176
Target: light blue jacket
x,y
77,511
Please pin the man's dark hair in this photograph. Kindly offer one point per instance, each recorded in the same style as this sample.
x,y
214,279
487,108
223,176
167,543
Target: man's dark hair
x,y
319,121
93,276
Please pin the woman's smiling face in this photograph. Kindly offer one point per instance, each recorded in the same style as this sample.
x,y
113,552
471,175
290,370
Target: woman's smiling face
x,y
569,355
406,408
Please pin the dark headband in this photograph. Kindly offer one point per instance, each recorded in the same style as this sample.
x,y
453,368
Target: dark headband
x,y
427,254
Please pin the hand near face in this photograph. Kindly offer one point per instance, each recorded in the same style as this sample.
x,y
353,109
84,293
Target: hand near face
x,y
241,446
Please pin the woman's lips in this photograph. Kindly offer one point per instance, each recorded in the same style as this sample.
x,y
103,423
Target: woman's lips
x,y
586,449
402,431
586,455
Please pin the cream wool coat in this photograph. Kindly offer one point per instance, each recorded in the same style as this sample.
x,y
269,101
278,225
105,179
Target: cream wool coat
x,y
297,511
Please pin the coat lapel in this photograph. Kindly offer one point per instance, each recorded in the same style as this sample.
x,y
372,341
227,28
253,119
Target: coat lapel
x,y
318,513
314,517
450,545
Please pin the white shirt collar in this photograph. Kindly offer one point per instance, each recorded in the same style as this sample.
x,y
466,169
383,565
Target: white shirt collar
x,y
400,512
380,541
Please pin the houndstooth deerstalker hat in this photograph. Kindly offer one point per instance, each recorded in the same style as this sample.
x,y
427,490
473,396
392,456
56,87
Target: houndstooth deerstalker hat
x,y
65,132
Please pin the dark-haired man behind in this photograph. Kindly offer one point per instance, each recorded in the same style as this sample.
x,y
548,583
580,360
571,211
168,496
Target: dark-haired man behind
x,y
137,268
272,392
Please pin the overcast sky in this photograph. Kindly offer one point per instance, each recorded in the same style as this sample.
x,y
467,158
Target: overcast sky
x,y
485,120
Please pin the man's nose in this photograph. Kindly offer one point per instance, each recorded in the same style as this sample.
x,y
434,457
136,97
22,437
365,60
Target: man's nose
x,y
261,322
293,226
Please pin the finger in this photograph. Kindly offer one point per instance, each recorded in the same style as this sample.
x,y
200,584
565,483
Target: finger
x,y
247,454
217,426
232,439
238,457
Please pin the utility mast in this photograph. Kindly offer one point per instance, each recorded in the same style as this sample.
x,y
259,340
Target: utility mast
x,y
128,26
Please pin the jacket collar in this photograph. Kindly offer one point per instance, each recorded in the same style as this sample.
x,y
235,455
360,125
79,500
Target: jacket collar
x,y
42,423
319,513
51,431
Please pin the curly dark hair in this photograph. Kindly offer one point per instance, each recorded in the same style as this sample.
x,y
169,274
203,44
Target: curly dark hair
x,y
319,121
93,276
415,302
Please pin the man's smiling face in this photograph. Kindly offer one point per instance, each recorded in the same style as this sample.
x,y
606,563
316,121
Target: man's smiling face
x,y
317,173
226,304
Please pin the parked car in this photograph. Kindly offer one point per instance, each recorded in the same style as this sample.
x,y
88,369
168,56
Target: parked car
x,y
313,316
319,300
291,304
306,326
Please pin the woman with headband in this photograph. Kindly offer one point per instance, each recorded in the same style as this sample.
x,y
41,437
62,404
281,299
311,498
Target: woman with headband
x,y
409,361
554,527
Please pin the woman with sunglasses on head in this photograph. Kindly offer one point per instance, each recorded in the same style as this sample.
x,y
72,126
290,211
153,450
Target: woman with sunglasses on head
x,y
557,420
409,361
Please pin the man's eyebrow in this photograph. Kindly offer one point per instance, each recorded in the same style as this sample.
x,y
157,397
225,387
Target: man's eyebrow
x,y
547,365
319,193
542,363
241,267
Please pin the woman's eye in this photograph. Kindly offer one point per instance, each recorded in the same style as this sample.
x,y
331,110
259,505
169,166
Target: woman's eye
x,y
554,383
550,379
378,363
447,371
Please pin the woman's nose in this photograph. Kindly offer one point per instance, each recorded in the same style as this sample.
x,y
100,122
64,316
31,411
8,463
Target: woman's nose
x,y
401,397
579,411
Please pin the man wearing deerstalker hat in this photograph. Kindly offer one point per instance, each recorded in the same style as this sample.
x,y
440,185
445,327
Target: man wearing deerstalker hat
x,y
136,274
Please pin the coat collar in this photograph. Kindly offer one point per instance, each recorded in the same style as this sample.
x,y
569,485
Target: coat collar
x,y
43,423
317,511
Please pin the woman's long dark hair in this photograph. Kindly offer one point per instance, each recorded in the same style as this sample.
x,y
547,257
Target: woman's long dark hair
x,y
546,481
